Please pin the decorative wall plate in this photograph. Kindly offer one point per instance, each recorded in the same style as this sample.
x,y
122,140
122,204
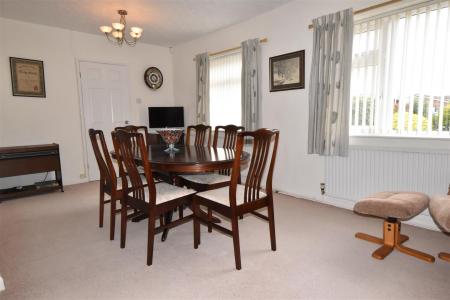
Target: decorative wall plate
x,y
153,78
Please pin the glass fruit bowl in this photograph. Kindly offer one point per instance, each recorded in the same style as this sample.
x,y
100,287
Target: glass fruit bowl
x,y
170,137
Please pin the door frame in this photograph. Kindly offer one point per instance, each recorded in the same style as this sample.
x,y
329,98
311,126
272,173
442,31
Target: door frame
x,y
84,135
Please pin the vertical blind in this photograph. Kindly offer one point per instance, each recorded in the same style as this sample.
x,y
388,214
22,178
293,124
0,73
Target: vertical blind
x,y
400,73
225,89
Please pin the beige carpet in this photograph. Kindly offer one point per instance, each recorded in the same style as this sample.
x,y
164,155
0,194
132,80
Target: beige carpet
x,y
52,248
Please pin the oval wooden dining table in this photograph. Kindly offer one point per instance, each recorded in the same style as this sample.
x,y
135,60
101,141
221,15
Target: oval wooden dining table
x,y
189,160
192,159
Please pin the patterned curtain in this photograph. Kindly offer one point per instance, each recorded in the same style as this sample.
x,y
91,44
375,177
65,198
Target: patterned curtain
x,y
202,70
329,86
251,98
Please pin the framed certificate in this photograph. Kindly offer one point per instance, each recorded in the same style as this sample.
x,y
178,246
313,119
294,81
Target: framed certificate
x,y
27,77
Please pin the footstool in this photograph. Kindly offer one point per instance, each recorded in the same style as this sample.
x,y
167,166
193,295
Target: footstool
x,y
440,211
393,207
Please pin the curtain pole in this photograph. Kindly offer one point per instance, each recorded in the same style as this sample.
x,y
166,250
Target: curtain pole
x,y
263,40
363,10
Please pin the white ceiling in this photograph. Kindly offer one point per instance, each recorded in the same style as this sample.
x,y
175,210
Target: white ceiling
x,y
165,22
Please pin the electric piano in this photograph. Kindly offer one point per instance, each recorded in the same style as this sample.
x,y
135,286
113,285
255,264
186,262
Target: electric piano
x,y
23,160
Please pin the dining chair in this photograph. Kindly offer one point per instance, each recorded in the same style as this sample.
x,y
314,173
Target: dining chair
x,y
110,183
153,199
208,181
202,135
239,199
136,129
221,178
147,139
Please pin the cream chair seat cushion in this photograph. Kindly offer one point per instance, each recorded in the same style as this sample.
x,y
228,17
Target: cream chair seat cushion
x,y
222,195
208,178
440,211
400,205
166,192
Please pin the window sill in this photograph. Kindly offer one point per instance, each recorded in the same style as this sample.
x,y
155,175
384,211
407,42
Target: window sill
x,y
411,137
401,143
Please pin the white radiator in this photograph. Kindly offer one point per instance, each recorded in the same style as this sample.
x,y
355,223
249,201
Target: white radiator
x,y
366,171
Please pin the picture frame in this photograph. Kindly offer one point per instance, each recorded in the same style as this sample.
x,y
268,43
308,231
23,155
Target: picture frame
x,y
287,71
27,77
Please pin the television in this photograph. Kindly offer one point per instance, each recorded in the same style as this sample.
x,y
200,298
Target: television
x,y
162,117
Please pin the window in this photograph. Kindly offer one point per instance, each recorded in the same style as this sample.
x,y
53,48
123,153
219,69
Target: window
x,y
401,73
225,89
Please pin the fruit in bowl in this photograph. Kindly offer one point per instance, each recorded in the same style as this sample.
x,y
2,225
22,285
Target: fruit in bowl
x,y
170,137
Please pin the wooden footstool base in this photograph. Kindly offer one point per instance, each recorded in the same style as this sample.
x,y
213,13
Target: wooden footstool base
x,y
444,256
393,239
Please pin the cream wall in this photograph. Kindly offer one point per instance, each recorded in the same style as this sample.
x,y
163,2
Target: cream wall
x,y
57,117
287,30
28,120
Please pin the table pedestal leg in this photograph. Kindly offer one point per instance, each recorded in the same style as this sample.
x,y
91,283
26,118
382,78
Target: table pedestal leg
x,y
167,220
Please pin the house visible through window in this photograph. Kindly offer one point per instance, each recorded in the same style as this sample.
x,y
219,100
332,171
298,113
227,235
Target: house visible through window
x,y
225,89
401,73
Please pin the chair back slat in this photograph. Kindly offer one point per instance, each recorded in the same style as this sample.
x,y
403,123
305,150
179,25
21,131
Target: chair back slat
x,y
202,135
127,157
136,129
263,141
229,135
107,172
229,140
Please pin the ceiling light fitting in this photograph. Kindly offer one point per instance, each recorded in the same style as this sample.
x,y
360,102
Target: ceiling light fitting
x,y
116,32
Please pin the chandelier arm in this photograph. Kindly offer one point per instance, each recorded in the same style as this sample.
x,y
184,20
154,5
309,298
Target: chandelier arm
x,y
112,40
130,43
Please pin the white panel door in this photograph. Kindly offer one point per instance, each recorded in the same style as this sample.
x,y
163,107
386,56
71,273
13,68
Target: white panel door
x,y
106,103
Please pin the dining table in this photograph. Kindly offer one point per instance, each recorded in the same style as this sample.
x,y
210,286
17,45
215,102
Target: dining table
x,y
188,159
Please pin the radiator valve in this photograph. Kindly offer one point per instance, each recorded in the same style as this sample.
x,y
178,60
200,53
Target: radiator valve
x,y
322,188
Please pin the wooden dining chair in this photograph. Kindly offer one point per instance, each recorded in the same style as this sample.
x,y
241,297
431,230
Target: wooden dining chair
x,y
208,181
239,199
221,178
147,139
110,183
153,199
136,129
202,135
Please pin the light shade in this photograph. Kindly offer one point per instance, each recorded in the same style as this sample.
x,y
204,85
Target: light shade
x,y
105,29
117,34
118,26
135,35
136,30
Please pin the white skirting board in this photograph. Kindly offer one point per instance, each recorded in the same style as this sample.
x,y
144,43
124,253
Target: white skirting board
x,y
423,220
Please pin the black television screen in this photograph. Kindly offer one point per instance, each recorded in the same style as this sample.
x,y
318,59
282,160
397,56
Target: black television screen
x,y
161,117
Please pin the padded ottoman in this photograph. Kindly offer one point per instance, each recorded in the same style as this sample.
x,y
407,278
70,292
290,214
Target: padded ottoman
x,y
399,205
394,207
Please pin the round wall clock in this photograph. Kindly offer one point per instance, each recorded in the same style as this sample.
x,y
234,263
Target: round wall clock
x,y
153,78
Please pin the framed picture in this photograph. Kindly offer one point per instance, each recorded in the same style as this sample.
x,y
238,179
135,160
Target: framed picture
x,y
287,71
27,77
